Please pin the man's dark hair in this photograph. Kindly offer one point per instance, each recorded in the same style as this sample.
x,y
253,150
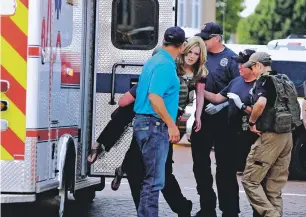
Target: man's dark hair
x,y
166,44
266,63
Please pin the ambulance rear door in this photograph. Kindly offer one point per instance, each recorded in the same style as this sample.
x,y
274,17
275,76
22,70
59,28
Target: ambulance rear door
x,y
127,31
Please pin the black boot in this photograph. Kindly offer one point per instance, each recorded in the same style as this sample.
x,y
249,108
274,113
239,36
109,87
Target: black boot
x,y
206,214
230,215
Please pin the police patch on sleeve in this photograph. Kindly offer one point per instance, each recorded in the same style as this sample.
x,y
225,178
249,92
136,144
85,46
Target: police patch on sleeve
x,y
224,62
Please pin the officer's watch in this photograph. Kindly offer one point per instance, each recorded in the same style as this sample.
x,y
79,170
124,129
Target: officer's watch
x,y
243,107
251,124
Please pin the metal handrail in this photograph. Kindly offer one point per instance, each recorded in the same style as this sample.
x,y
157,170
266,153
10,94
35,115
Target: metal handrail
x,y
114,68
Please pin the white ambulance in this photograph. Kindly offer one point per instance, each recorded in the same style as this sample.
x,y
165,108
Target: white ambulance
x,y
64,64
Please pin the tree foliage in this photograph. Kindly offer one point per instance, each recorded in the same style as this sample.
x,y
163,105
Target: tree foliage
x,y
271,20
244,29
231,17
299,17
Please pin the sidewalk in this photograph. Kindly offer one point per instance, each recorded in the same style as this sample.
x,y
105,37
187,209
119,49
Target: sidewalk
x,y
184,142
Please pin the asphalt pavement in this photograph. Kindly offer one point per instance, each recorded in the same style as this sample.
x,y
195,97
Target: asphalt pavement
x,y
109,203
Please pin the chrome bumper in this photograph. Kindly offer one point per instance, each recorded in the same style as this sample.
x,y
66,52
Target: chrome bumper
x,y
17,198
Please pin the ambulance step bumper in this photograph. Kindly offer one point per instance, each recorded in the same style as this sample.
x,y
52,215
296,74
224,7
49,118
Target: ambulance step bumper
x,y
17,198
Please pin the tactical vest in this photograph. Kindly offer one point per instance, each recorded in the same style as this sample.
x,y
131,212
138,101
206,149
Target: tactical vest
x,y
284,116
185,95
184,91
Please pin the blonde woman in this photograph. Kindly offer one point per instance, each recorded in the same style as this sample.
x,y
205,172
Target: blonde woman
x,y
192,72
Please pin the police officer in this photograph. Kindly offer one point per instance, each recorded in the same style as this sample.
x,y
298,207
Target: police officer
x,y
238,92
266,171
222,69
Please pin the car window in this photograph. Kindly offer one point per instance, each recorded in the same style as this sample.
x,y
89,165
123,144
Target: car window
x,y
296,71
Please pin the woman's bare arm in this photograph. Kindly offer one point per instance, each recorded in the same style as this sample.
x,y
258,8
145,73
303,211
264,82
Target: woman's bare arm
x,y
214,98
200,87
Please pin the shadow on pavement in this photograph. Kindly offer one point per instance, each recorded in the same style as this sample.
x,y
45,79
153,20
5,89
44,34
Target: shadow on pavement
x,y
45,208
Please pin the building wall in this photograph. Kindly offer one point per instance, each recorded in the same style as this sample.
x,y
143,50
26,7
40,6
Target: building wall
x,y
194,13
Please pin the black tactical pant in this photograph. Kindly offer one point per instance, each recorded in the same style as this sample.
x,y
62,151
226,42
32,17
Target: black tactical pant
x,y
132,166
215,132
243,142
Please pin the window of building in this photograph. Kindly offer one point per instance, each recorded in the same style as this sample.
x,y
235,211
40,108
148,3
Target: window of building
x,y
135,24
181,12
196,18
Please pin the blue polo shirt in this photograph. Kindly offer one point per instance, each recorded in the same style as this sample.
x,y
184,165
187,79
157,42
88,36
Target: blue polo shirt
x,y
159,77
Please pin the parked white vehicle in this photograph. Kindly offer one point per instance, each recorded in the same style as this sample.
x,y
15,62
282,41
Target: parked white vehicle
x,y
288,44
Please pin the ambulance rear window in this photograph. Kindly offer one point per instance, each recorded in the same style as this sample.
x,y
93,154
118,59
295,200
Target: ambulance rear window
x,y
135,24
296,71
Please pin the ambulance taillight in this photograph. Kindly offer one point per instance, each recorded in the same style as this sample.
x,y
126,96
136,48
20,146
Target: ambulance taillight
x,y
4,86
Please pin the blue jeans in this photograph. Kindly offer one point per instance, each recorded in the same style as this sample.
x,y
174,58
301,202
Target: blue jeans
x,y
151,135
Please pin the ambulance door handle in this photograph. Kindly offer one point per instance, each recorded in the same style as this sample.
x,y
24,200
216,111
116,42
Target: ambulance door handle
x,y
54,122
53,150
114,68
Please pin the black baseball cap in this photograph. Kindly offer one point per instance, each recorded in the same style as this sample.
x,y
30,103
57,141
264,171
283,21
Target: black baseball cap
x,y
210,30
243,56
174,35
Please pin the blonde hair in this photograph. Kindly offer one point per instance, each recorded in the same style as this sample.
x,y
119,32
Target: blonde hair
x,y
199,68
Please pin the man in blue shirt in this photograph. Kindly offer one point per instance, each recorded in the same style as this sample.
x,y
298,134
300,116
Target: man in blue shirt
x,y
156,109
214,132
239,108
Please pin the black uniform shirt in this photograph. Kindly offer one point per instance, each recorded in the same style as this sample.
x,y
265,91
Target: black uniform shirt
x,y
222,69
265,87
238,120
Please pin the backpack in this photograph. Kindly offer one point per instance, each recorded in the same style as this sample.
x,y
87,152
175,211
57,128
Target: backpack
x,y
287,108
